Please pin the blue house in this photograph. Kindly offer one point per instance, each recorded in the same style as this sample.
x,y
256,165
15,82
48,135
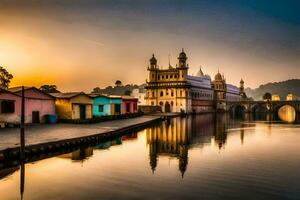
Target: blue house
x,y
106,105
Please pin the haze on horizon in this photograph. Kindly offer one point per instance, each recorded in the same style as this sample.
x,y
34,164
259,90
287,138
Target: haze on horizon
x,y
81,44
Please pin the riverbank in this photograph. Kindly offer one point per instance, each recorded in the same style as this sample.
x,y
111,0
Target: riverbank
x,y
45,138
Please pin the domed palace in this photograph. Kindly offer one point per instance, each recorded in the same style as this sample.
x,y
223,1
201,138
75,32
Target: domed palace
x,y
174,90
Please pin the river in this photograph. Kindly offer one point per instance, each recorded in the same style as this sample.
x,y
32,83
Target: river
x,y
204,156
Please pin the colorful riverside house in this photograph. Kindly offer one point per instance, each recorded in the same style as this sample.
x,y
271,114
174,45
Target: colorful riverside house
x,y
129,104
73,105
102,105
115,105
37,105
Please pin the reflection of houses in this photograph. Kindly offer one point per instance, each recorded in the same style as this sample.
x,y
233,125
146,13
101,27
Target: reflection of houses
x,y
170,140
38,104
80,154
131,136
74,105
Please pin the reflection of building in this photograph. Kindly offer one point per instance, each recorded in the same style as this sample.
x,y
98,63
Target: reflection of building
x,y
169,139
176,91
220,134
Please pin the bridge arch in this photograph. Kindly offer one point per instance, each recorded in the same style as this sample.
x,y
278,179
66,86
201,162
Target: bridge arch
x,y
237,109
259,108
277,106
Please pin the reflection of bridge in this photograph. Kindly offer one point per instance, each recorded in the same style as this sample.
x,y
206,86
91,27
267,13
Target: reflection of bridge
x,y
261,106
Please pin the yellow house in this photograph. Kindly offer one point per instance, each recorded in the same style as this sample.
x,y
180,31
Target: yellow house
x,y
275,97
74,105
290,97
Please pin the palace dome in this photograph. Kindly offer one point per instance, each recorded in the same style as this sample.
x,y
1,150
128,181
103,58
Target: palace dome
x,y
218,77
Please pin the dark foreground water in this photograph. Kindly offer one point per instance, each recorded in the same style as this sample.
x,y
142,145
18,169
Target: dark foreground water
x,y
201,157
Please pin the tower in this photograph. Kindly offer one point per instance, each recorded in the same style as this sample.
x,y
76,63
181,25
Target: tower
x,y
242,89
220,89
182,66
152,69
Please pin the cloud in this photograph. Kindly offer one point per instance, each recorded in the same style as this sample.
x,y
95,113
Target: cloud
x,y
94,42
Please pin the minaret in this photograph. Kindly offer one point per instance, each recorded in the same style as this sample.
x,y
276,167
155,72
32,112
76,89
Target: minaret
x,y
152,69
242,89
182,66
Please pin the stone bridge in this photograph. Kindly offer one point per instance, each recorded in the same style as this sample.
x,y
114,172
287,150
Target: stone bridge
x,y
261,106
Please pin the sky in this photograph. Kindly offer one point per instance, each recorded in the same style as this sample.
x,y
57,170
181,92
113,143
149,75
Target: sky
x,y
82,44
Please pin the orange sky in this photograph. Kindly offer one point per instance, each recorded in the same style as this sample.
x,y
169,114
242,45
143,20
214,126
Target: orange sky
x,y
78,49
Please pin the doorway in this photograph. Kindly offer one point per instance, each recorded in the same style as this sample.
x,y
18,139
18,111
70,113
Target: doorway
x,y
82,111
167,107
35,117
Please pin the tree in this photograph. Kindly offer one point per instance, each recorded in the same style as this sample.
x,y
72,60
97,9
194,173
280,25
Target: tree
x,y
96,90
5,78
127,92
267,96
49,89
118,83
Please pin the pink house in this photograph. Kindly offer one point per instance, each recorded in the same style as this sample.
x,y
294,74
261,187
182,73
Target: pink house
x,y
129,104
37,105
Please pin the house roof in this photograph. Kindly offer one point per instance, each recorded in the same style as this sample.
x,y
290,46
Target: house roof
x,y
7,91
94,95
129,98
19,89
69,95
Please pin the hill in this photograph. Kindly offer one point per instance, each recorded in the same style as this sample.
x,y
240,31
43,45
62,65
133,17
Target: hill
x,y
281,88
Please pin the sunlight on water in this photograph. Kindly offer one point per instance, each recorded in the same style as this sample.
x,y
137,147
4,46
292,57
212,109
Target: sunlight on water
x,y
182,158
287,113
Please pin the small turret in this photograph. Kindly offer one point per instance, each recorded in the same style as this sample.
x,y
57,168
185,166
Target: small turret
x,y
182,60
153,62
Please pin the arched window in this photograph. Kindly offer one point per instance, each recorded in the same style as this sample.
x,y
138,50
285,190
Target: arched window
x,y
161,93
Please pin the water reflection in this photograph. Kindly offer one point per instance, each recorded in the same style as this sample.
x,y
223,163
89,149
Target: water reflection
x,y
208,153
79,155
287,113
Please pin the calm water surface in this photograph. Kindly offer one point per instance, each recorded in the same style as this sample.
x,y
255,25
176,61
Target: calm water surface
x,y
206,156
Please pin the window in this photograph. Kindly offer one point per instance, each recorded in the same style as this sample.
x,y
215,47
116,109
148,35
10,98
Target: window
x,y
166,76
117,108
100,108
161,93
162,77
153,94
172,93
181,93
171,76
7,107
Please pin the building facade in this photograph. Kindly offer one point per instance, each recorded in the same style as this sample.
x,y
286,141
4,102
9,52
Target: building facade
x,y
174,90
73,106
37,103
